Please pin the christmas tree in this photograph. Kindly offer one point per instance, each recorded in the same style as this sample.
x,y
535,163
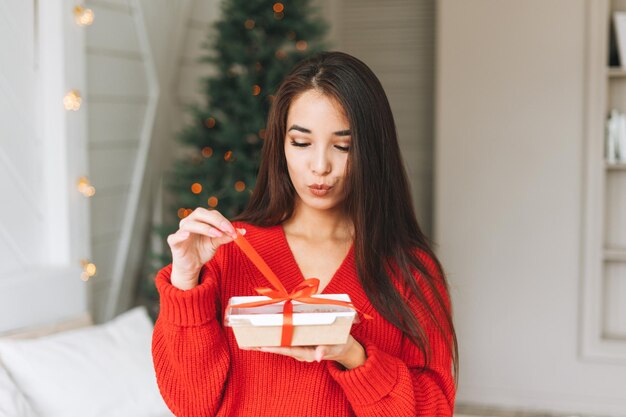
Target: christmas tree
x,y
256,43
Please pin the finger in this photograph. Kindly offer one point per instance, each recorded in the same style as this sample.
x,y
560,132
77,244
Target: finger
x,y
216,219
303,354
201,228
178,237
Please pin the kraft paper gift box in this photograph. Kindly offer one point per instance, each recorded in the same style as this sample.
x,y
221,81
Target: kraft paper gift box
x,y
313,324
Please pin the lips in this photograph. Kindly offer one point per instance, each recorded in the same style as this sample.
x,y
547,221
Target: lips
x,y
320,187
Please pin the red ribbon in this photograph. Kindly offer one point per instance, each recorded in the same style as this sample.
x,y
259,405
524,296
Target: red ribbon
x,y
302,292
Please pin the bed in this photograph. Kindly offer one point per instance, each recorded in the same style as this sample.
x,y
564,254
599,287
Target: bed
x,y
55,362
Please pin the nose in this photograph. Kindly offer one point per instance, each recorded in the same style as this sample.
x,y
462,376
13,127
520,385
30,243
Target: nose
x,y
321,165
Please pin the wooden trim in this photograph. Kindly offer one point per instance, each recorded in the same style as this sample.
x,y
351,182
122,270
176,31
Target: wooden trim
x,y
139,171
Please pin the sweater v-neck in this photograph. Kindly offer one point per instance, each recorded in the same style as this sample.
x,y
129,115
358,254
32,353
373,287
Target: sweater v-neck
x,y
297,278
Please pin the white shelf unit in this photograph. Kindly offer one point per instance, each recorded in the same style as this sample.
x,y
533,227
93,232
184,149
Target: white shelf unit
x,y
603,287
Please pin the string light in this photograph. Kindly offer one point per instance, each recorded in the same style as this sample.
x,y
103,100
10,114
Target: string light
x,y
228,156
181,213
240,186
210,122
72,100
278,7
196,188
89,270
302,45
256,90
207,151
83,16
85,188
281,54
249,24
212,201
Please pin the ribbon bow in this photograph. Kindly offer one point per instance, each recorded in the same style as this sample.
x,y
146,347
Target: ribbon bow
x,y
303,292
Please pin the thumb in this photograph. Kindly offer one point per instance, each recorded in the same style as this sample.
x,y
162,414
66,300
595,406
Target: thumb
x,y
320,351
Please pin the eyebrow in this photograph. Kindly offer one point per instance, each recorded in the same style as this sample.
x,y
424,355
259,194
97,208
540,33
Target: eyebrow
x,y
305,130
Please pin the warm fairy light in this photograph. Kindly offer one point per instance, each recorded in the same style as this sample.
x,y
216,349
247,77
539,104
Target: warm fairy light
x,y
278,7
207,151
302,45
188,212
256,90
83,16
72,100
262,133
85,188
212,201
196,188
228,156
240,186
281,54
210,123
279,16
249,24
89,270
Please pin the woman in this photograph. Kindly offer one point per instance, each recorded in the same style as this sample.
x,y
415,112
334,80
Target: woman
x,y
332,202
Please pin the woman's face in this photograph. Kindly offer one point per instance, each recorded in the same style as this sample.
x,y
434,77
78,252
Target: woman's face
x,y
317,140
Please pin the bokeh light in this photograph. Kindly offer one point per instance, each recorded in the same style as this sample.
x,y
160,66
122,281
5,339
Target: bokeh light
x,y
196,188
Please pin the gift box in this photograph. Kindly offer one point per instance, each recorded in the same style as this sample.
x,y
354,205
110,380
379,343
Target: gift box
x,y
312,324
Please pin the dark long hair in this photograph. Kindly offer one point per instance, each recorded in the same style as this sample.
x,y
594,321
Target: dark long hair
x,y
387,236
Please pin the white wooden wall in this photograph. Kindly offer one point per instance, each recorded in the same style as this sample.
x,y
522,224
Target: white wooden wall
x,y
123,91
43,218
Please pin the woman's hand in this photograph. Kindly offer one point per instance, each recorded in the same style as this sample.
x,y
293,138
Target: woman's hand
x,y
350,355
195,243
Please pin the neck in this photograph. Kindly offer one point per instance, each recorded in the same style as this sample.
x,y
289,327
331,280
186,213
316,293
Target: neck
x,y
318,225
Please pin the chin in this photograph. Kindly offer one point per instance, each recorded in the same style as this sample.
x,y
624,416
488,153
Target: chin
x,y
320,204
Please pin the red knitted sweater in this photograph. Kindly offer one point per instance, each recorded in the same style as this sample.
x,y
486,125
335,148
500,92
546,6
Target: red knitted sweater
x,y
201,372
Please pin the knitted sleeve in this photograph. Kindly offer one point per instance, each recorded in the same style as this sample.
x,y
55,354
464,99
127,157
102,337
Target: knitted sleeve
x,y
389,385
189,349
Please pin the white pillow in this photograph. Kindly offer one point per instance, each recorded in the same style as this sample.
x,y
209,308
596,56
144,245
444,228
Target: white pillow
x,y
103,370
12,402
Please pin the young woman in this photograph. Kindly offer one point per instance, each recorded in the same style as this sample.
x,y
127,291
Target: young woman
x,y
332,202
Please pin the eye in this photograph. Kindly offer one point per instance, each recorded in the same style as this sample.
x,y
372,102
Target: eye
x,y
343,148
299,144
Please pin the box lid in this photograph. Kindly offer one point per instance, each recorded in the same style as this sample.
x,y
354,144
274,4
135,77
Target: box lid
x,y
271,314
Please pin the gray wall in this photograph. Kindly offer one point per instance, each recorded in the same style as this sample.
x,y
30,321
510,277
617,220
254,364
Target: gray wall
x,y
508,200
396,39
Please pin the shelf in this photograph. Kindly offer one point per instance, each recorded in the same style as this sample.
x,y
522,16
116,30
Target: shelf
x,y
618,166
616,72
615,255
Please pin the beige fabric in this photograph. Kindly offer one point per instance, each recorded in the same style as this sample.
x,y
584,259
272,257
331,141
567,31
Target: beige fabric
x,y
77,322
